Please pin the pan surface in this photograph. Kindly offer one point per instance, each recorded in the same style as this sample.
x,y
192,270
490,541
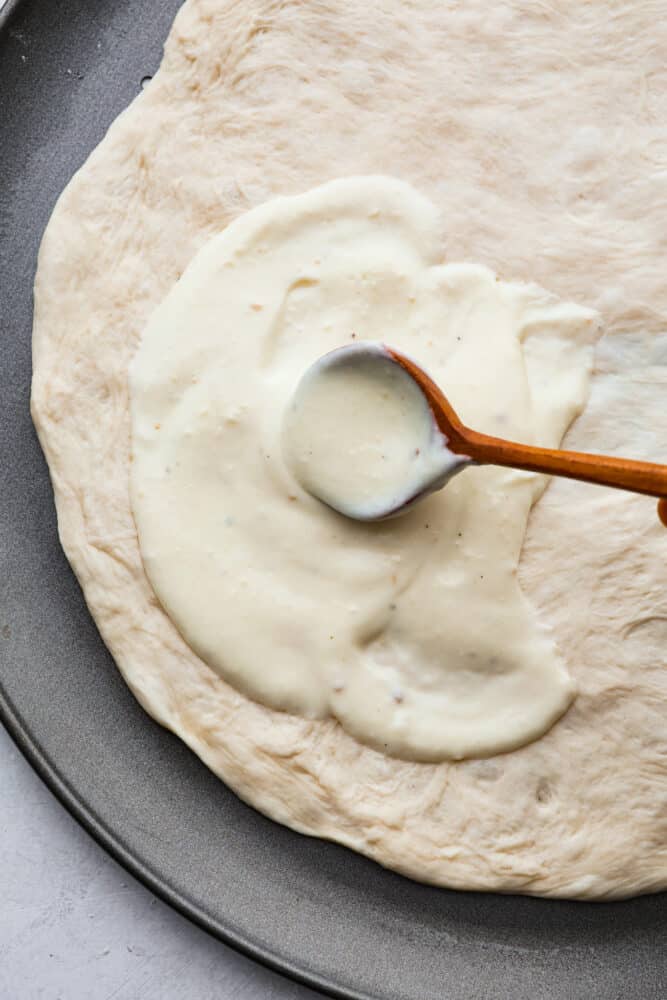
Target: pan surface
x,y
311,909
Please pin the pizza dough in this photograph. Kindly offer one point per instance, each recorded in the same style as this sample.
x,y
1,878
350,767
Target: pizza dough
x,y
414,634
539,133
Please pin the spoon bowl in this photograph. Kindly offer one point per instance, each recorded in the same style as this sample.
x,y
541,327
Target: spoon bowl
x,y
359,435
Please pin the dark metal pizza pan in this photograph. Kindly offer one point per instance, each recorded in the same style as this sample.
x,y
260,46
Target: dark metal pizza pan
x,y
311,909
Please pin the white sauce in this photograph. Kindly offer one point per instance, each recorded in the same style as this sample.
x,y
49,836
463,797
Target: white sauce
x,y
413,633
359,435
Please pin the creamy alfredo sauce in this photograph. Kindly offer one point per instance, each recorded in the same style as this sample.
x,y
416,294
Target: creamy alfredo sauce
x,y
413,633
359,435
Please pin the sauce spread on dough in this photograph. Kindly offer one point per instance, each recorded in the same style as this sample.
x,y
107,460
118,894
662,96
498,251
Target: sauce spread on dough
x,y
413,633
359,435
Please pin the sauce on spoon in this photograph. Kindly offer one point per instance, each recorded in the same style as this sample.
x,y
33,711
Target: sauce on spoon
x,y
359,435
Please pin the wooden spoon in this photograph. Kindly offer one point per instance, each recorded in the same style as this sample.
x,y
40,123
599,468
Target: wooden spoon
x,y
622,473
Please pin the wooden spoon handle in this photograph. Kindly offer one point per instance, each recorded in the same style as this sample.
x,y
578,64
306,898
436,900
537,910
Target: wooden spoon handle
x,y
622,473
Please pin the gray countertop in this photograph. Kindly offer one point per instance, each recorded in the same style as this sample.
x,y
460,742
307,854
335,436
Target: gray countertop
x,y
74,925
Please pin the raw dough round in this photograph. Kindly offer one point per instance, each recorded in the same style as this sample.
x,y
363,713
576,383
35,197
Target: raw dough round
x,y
539,132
